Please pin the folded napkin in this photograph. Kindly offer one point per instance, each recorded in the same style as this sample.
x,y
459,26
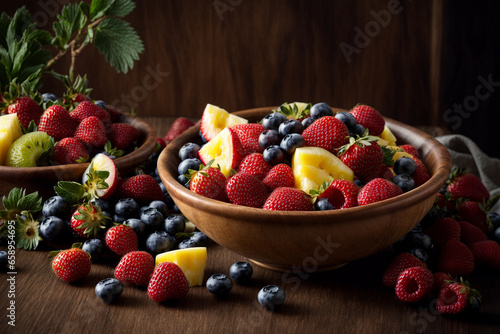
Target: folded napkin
x,y
466,154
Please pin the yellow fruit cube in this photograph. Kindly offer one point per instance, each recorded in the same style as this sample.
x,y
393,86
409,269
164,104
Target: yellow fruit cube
x,y
10,130
192,261
215,119
388,136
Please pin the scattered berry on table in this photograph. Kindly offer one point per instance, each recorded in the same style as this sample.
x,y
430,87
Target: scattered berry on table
x,y
109,290
121,239
94,247
135,268
414,284
219,285
241,272
159,242
71,265
56,206
167,282
52,229
271,297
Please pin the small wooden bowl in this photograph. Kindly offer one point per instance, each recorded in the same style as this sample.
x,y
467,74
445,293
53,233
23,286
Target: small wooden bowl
x,y
43,179
313,241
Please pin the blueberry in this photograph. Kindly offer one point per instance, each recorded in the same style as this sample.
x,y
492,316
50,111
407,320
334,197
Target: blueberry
x,y
203,139
290,126
168,200
52,228
189,150
269,137
137,224
152,218
4,259
200,238
126,208
273,120
109,290
271,297
291,142
187,243
159,242
186,165
182,179
49,97
496,234
174,224
101,104
175,209
495,219
323,204
219,285
419,254
160,206
162,187
95,248
241,272
405,165
273,154
359,130
414,240
56,206
347,118
307,121
403,181
359,183
105,205
320,109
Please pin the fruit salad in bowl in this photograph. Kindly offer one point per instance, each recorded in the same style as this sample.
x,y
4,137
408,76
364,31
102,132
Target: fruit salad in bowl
x,y
301,184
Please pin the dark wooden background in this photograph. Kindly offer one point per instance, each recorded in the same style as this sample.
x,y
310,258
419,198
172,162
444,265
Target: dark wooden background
x,y
418,64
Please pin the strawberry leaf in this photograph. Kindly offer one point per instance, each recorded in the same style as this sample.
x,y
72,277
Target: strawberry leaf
x,y
71,191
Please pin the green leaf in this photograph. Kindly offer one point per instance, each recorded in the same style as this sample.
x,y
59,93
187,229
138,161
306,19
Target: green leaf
x,y
121,8
17,201
119,43
69,190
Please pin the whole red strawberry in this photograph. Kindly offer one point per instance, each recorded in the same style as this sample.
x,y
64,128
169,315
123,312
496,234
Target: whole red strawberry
x,y
57,122
342,194
27,110
70,151
410,149
249,136
247,190
72,264
486,254
364,156
91,131
326,132
168,282
114,114
86,109
456,259
180,125
474,213
470,234
369,118
121,135
254,164
143,188
209,182
136,268
414,284
421,175
453,298
280,175
121,239
377,190
288,199
462,184
88,220
443,230
400,262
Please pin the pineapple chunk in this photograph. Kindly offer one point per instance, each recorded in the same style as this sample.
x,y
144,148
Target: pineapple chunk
x,y
388,136
10,130
215,119
399,153
192,261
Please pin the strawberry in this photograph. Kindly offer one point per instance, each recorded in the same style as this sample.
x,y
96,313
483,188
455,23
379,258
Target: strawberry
x,y
209,182
180,125
410,150
440,279
288,199
91,131
486,254
400,262
136,268
377,190
168,282
326,132
281,175
27,110
87,220
249,136
254,164
470,233
57,122
369,118
342,194
421,175
364,156
414,284
143,188
445,202
455,258
453,298
121,239
475,214
113,112
462,184
121,135
80,97
162,144
70,151
71,264
386,172
443,230
86,109
246,189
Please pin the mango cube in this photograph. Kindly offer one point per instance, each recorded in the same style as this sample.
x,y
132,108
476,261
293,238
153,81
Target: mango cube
x,y
192,261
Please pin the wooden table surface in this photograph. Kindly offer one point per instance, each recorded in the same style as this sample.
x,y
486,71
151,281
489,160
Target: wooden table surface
x,y
347,300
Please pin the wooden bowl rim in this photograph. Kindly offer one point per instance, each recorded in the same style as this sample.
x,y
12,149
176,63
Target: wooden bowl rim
x,y
261,216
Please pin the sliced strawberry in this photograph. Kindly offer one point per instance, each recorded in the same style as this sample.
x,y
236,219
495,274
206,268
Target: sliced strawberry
x,y
342,194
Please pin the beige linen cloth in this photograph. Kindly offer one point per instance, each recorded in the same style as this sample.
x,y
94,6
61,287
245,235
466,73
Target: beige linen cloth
x,y
466,154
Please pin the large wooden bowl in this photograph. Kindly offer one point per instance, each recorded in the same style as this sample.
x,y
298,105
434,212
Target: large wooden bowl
x,y
310,241
43,179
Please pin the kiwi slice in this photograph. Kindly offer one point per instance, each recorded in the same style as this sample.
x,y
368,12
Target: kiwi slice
x,y
30,150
